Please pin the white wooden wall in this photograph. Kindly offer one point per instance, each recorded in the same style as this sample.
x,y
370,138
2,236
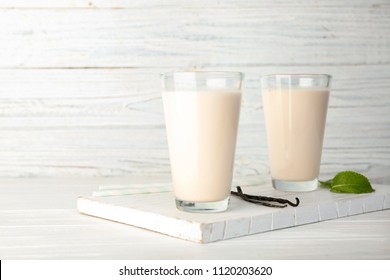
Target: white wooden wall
x,y
80,89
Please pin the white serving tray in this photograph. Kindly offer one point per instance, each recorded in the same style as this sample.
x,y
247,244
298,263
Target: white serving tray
x,y
157,212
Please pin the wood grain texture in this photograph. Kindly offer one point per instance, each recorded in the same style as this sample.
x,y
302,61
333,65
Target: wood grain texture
x,y
200,34
123,4
109,122
39,221
80,89
157,212
65,234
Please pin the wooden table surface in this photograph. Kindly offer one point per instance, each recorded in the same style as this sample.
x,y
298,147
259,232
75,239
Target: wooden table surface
x,y
39,220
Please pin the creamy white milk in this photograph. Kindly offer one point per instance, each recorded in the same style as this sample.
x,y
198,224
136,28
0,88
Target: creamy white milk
x,y
202,131
295,124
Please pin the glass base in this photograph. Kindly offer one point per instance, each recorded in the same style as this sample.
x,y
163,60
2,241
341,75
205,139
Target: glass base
x,y
295,186
202,207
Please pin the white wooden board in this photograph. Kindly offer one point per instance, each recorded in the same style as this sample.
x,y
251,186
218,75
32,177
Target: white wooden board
x,y
157,212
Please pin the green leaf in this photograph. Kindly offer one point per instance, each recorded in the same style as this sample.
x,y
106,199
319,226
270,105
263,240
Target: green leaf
x,y
351,188
326,184
348,182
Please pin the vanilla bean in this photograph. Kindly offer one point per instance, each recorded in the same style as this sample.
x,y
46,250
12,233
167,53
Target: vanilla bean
x,y
265,200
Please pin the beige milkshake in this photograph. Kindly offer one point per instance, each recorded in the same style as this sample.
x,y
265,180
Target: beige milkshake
x,y
295,117
201,115
201,130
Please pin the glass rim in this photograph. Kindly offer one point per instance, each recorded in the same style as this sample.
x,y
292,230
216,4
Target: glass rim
x,y
296,75
216,73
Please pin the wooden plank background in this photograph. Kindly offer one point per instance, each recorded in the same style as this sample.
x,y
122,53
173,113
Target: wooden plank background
x,y
80,89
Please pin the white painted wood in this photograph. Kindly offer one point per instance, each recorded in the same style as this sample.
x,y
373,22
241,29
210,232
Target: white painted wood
x,y
200,34
157,212
109,122
79,80
116,4
33,226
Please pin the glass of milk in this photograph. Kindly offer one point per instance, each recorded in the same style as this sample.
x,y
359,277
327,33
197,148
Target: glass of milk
x,y
295,107
202,112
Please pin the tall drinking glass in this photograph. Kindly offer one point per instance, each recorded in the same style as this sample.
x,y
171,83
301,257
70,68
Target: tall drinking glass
x,y
201,114
295,108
